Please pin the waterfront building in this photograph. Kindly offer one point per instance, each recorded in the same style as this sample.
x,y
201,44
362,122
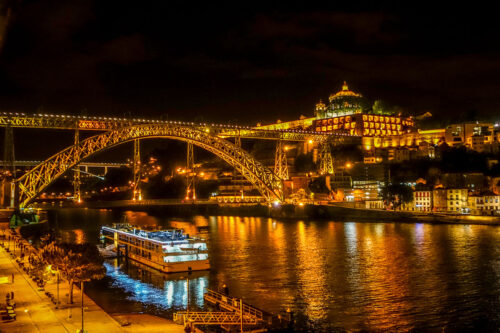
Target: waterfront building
x,y
439,200
457,200
367,190
422,198
374,204
340,180
487,203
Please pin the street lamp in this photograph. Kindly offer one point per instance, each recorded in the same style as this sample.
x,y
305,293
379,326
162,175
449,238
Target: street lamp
x,y
81,289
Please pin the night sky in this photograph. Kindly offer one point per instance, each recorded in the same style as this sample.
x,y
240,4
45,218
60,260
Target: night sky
x,y
244,62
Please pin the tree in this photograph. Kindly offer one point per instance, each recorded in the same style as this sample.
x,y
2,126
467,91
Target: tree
x,y
383,108
347,153
397,194
318,185
77,262
304,163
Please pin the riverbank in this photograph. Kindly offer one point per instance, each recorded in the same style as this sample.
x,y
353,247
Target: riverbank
x,y
334,211
35,311
343,213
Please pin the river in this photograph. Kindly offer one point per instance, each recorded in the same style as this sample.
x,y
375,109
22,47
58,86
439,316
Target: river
x,y
334,276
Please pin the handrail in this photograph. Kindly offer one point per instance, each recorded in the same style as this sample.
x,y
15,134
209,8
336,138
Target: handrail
x,y
213,318
234,304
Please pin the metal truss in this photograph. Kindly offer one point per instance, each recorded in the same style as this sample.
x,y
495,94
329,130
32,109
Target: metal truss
x,y
280,161
65,121
37,179
136,189
76,176
190,173
213,318
287,135
325,158
51,121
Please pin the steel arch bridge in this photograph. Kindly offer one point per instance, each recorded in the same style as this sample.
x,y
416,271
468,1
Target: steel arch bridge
x,y
37,179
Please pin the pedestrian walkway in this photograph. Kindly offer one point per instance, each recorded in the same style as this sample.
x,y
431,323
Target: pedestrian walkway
x,y
35,311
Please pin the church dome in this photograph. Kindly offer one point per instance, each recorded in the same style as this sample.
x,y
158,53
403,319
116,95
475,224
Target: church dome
x,y
342,103
345,92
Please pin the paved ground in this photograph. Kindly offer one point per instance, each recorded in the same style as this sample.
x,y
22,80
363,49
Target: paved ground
x,y
36,313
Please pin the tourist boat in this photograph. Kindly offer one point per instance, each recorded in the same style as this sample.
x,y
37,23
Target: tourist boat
x,y
168,251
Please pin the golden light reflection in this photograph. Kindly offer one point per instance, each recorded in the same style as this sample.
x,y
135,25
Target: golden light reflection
x,y
312,270
386,277
79,236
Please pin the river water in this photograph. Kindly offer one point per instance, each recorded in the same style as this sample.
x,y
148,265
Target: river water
x,y
334,276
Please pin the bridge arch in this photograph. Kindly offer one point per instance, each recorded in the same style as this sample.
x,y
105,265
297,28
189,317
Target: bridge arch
x,y
37,179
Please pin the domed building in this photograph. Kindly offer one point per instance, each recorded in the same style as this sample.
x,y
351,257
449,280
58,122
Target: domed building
x,y
342,103
350,113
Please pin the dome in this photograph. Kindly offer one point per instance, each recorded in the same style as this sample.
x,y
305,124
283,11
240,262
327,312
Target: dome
x,y
320,106
345,92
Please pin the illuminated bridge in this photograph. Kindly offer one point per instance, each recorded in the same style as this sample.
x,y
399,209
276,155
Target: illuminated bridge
x,y
115,131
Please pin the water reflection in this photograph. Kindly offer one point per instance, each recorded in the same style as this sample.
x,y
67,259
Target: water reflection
x,y
333,275
168,292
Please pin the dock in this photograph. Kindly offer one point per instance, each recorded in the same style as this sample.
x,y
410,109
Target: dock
x,y
231,313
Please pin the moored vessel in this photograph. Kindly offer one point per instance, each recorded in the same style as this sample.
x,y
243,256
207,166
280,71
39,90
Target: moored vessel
x,y
168,251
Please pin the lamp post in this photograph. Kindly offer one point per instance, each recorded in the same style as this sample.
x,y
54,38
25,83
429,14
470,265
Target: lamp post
x,y
57,304
82,286
82,331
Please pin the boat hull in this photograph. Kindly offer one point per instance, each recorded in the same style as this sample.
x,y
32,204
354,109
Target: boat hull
x,y
175,267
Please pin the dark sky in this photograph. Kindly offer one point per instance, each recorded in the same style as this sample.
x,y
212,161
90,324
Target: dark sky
x,y
242,61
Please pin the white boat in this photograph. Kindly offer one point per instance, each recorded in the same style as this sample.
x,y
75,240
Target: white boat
x,y
168,251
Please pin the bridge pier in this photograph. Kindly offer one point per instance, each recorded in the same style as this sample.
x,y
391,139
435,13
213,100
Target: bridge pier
x,y
190,173
280,161
77,196
137,195
325,159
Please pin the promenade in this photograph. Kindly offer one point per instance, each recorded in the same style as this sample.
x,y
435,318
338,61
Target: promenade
x,y
37,313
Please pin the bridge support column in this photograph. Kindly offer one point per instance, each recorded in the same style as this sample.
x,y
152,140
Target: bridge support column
x,y
137,195
76,175
280,161
190,173
237,143
325,159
